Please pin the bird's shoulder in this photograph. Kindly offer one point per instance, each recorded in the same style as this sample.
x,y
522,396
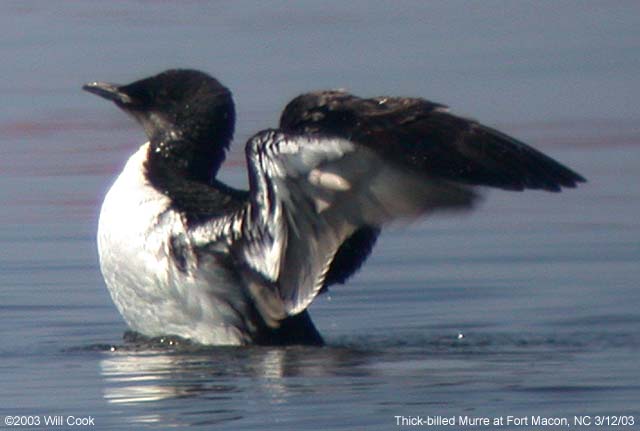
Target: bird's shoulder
x,y
343,114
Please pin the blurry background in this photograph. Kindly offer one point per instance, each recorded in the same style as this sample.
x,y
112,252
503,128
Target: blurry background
x,y
543,287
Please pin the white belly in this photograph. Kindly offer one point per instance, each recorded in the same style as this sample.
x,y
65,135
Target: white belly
x,y
152,294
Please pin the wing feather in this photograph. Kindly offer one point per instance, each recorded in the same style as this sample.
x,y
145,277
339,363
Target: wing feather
x,y
313,193
425,136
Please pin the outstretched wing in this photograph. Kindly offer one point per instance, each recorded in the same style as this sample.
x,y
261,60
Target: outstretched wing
x,y
309,194
426,136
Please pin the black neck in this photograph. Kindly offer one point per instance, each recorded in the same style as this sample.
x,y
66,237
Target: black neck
x,y
180,158
188,179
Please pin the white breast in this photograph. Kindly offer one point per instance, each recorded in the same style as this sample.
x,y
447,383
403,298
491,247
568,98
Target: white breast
x,y
152,294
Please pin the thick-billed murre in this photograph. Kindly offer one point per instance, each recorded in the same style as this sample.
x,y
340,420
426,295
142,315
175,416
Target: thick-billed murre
x,y
183,254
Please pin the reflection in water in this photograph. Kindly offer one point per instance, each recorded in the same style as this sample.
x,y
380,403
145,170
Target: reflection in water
x,y
136,376
222,384
140,376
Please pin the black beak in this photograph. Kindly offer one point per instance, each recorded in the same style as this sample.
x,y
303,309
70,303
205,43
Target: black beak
x,y
108,91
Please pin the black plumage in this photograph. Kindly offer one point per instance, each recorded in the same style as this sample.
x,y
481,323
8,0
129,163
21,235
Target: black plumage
x,y
425,136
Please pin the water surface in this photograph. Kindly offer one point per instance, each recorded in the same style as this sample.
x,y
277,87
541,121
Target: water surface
x,y
527,307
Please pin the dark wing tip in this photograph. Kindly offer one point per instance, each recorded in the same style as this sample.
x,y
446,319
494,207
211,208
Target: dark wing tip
x,y
462,150
521,166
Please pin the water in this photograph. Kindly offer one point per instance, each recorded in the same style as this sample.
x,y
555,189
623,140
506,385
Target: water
x,y
528,307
